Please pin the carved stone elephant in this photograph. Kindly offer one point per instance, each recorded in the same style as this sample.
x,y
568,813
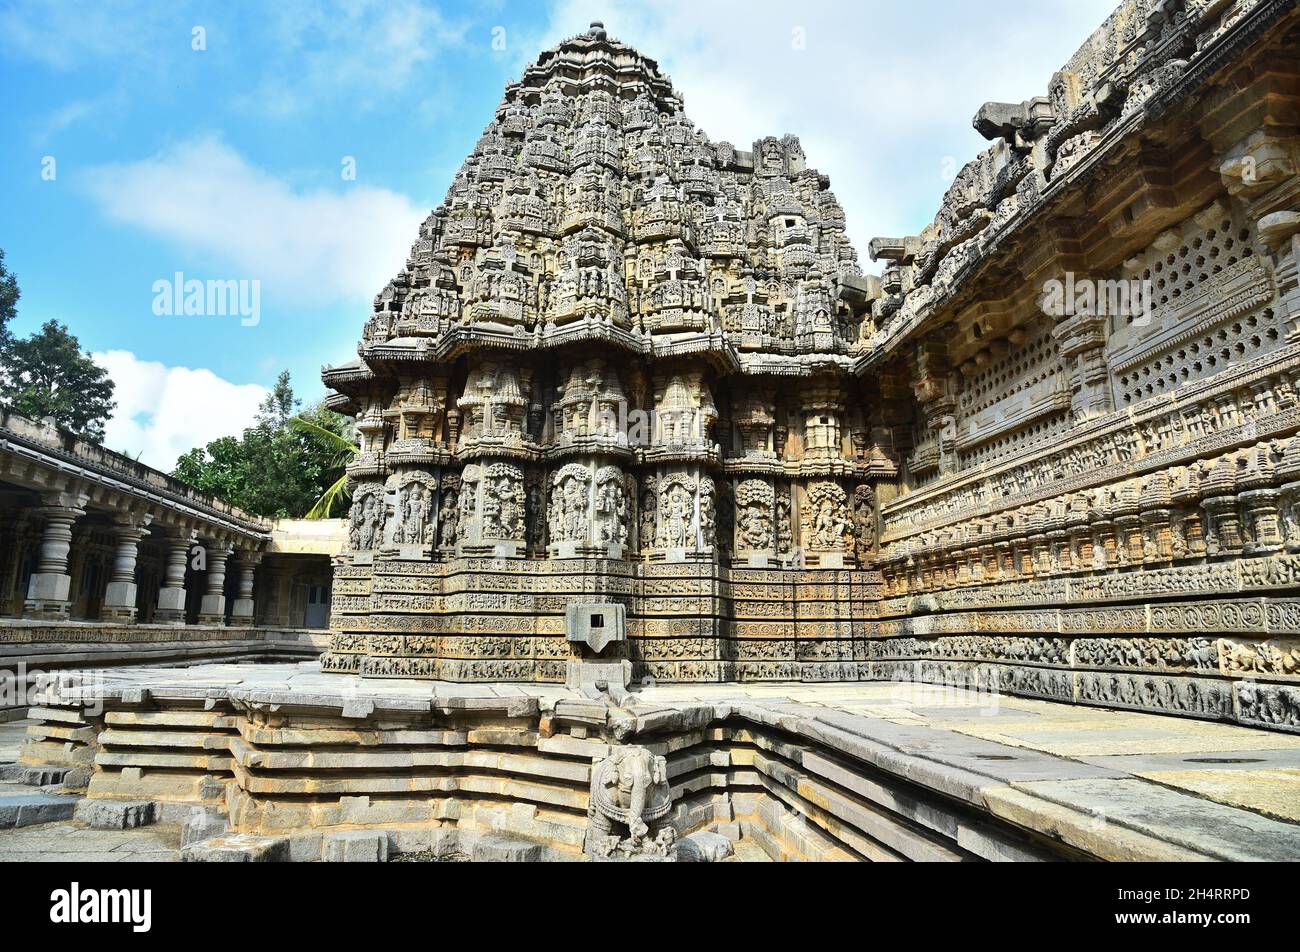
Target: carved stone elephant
x,y
629,792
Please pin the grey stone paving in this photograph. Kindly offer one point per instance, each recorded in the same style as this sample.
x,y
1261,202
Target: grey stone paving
x,y
12,735
67,842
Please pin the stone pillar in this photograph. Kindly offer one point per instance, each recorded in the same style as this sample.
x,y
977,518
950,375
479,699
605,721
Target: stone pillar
x,y
242,613
171,597
49,591
120,596
212,610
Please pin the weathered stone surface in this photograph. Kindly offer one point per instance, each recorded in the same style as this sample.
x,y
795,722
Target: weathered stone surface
x,y
116,814
356,846
202,825
505,849
32,776
1049,459
30,809
238,848
704,847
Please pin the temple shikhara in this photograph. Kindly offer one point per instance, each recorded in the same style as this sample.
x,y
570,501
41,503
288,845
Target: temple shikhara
x,y
676,521
621,365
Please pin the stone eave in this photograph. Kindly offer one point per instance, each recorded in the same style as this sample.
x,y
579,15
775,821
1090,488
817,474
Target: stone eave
x,y
795,365
146,484
351,379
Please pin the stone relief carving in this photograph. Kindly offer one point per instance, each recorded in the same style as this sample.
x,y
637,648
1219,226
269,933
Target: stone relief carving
x,y
612,508
503,502
677,520
570,510
649,510
416,495
628,805
366,518
755,503
825,517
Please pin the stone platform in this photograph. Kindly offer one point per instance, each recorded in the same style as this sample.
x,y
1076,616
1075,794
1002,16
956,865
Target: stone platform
x,y
879,771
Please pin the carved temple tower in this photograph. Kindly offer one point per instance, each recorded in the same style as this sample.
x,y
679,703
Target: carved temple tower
x,y
617,367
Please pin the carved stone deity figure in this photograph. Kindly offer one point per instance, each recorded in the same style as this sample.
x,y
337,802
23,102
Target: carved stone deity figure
x,y
415,506
536,514
864,520
449,513
612,506
754,529
649,508
366,521
570,504
629,799
676,513
825,522
784,522
708,512
468,498
503,503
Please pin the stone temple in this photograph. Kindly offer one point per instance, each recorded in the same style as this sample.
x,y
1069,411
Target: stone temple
x,y
620,367
676,533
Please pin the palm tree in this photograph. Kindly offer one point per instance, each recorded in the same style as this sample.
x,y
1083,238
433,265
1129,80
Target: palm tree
x,y
345,449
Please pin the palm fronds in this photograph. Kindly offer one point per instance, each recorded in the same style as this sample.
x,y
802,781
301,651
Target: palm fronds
x,y
337,494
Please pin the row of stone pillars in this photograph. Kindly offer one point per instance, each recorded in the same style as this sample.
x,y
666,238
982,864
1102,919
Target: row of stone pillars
x,y
49,590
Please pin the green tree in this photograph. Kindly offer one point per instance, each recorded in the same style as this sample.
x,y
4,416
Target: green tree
x,y
283,466
49,375
8,300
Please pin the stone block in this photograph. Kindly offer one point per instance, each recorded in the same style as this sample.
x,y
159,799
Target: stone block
x,y
119,602
446,843
76,779
495,848
306,847
730,830
202,825
116,814
41,776
31,809
238,848
410,841
704,847
47,593
597,679
356,846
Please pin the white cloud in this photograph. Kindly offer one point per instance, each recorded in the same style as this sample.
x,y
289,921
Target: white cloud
x,y
881,97
307,246
357,52
164,411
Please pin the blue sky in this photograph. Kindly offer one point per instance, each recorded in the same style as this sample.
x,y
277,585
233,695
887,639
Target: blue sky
x,y
226,162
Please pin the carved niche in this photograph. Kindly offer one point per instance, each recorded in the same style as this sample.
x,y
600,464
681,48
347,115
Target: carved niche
x,y
755,516
824,523
366,518
415,502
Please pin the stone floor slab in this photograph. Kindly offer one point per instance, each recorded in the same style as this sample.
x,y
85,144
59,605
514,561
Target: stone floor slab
x,y
1183,819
